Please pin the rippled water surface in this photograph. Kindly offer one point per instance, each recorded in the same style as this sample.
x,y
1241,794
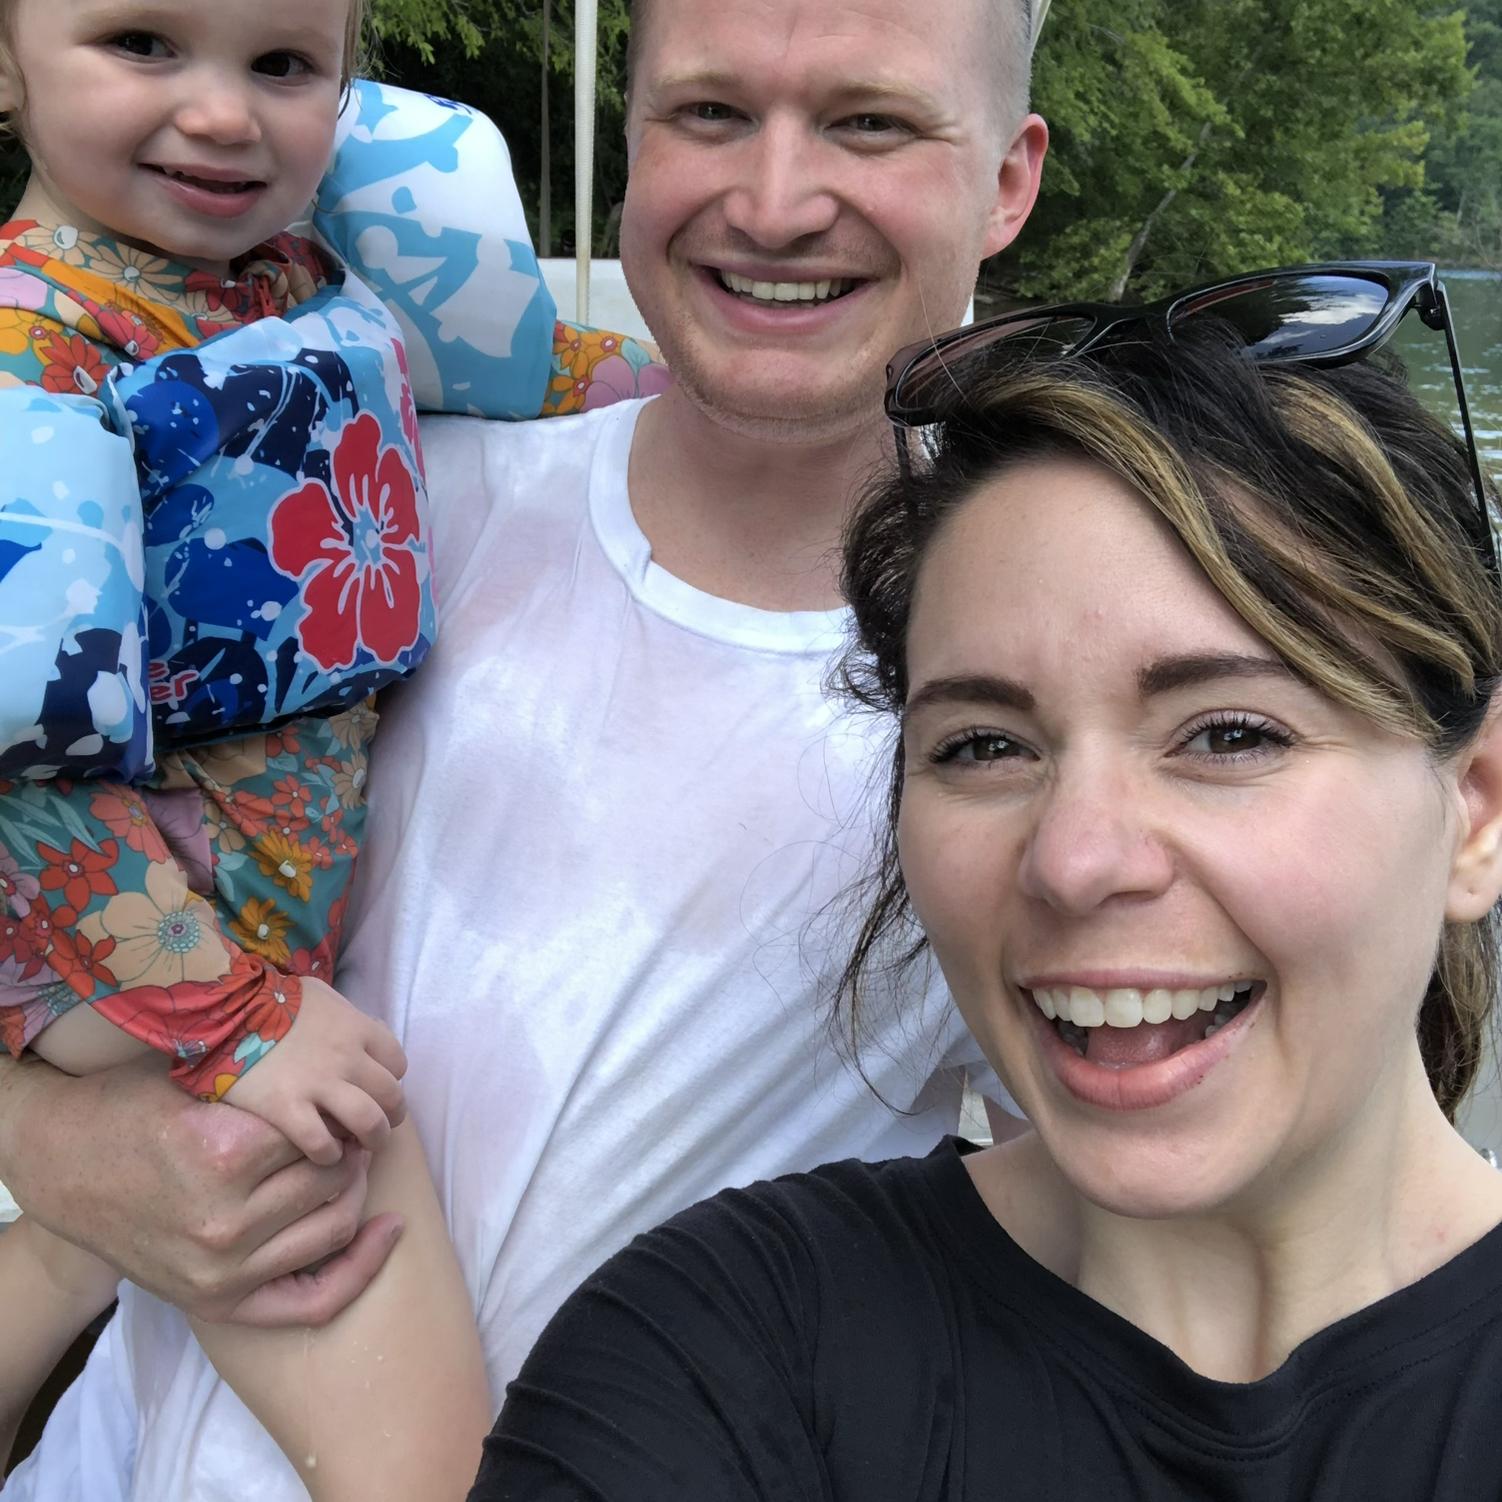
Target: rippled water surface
x,y
1476,304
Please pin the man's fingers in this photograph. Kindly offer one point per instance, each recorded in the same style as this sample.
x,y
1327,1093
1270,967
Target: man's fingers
x,y
315,1298
298,1191
319,1234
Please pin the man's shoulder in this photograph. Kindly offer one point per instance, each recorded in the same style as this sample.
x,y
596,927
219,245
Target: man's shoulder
x,y
523,453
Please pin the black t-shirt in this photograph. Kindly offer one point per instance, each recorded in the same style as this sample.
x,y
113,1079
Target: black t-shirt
x,y
868,1333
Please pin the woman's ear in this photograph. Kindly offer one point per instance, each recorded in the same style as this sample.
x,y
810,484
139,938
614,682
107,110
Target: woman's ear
x,y
1476,878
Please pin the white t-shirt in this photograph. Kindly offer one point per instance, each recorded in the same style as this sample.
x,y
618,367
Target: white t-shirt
x,y
608,819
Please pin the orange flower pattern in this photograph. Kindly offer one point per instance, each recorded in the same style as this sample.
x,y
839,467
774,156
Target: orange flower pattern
x,y
594,367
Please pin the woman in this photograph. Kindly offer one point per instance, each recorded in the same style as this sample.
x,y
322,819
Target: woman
x,y
1198,802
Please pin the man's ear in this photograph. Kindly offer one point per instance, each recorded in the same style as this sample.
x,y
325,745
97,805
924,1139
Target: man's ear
x,y
1017,184
1476,878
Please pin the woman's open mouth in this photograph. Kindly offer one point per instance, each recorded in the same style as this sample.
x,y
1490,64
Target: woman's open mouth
x,y
1124,1028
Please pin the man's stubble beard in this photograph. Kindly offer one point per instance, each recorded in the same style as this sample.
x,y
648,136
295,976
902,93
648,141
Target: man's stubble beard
x,y
765,416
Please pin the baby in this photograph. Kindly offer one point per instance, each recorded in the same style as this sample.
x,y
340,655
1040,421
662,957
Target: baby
x,y
197,911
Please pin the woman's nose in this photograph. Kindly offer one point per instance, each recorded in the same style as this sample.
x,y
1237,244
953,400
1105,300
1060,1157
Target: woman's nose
x,y
1094,839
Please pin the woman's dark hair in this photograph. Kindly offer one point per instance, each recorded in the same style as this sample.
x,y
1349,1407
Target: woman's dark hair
x,y
1331,511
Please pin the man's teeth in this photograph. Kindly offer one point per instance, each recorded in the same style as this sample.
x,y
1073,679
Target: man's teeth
x,y
1081,1007
825,291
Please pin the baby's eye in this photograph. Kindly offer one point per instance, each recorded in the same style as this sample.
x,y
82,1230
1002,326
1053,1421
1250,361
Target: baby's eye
x,y
140,44
282,65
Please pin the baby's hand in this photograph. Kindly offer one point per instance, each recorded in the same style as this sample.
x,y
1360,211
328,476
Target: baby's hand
x,y
335,1063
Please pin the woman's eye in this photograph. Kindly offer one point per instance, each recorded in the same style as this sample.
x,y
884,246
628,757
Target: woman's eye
x,y
979,746
139,44
282,65
1236,738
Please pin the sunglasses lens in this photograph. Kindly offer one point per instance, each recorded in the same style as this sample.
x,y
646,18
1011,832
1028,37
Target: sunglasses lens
x,y
1292,318
936,380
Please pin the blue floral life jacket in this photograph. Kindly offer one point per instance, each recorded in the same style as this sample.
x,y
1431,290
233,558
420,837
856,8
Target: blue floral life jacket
x,y
286,528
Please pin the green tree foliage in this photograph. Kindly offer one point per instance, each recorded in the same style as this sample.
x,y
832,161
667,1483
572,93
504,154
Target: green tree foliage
x,y
1192,137
1456,216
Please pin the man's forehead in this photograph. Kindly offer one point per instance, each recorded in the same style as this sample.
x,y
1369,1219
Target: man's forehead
x,y
949,46
680,27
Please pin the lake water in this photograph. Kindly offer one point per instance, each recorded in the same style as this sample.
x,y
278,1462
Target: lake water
x,y
1476,305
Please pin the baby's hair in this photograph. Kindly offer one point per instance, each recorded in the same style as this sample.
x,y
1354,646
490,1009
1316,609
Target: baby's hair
x,y
354,39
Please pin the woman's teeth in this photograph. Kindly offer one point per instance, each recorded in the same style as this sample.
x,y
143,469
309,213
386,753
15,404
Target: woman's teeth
x,y
824,291
1077,1009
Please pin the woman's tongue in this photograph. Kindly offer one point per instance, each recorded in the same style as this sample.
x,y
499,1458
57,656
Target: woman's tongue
x,y
1147,1043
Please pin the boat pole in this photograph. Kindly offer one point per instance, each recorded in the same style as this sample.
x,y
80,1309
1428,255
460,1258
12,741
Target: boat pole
x,y
586,65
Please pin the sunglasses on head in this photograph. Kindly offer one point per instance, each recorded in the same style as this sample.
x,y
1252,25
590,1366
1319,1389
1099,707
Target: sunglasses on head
x,y
1328,314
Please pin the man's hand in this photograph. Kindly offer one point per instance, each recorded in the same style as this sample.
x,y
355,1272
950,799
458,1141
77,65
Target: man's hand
x,y
205,1206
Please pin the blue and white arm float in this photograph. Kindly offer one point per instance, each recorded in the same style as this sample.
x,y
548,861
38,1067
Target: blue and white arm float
x,y
73,670
422,205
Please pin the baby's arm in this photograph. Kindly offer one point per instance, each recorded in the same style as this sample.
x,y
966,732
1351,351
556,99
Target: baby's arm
x,y
335,1066
52,1290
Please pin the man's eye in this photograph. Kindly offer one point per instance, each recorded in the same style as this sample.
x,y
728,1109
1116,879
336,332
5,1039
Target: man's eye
x,y
139,44
282,65
874,125
710,111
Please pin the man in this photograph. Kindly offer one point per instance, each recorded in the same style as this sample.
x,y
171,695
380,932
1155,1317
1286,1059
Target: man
x,y
611,814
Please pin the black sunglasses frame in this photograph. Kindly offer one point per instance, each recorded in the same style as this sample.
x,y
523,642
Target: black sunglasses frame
x,y
1409,285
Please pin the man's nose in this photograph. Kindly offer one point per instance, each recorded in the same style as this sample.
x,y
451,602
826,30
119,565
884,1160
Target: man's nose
x,y
781,193
1095,838
217,108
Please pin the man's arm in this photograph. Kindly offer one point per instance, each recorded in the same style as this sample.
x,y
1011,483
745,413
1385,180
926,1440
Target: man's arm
x,y
205,1206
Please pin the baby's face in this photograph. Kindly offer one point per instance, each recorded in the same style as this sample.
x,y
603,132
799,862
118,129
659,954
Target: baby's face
x,y
194,130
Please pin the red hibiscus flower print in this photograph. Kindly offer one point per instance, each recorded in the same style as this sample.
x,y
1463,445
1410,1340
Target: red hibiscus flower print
x,y
354,552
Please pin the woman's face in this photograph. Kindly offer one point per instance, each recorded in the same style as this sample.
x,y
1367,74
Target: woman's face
x,y
1119,803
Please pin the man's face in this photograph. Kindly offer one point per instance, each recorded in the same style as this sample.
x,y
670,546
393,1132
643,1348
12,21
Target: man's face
x,y
814,184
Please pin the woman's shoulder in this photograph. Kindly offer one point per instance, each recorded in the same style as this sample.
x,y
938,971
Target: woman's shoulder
x,y
893,1200
745,1349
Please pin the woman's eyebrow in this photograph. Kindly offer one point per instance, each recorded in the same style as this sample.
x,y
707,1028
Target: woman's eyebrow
x,y
1169,673
970,688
